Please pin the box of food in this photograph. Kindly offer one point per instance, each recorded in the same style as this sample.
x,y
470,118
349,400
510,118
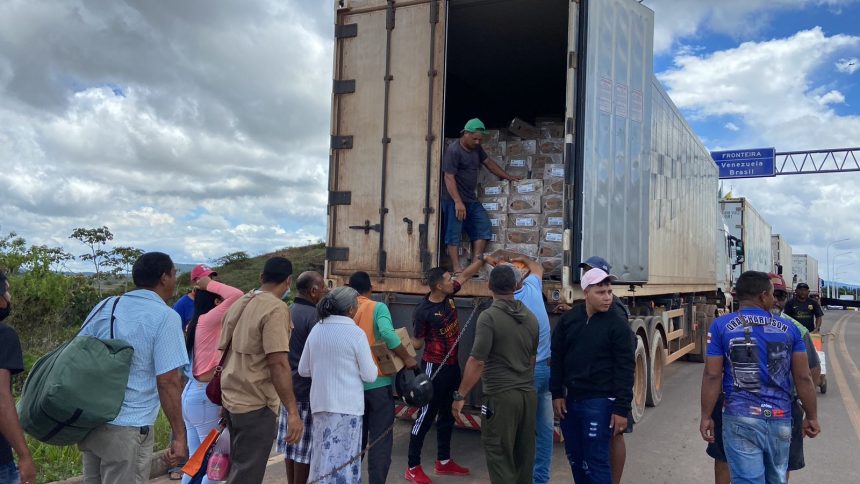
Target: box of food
x,y
491,136
553,220
551,243
551,203
551,146
518,167
551,130
553,171
498,221
530,203
527,185
388,362
553,186
528,250
539,161
495,150
499,188
521,148
495,205
522,236
524,220
523,129
551,267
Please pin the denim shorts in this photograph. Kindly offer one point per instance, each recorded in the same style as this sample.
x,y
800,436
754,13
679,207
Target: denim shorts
x,y
476,224
9,473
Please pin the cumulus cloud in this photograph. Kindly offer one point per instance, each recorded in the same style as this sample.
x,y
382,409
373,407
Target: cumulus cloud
x,y
771,87
731,126
183,127
679,19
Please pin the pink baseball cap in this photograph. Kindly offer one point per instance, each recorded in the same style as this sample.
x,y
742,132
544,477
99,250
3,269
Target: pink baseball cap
x,y
595,276
201,270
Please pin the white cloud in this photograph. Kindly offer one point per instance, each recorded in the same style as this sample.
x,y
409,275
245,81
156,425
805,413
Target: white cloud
x,y
188,128
731,126
848,66
679,19
771,87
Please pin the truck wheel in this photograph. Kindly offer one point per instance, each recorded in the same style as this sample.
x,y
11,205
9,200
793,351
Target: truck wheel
x,y
656,362
640,380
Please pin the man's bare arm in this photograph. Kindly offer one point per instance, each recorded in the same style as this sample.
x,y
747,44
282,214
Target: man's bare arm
x,y
10,427
282,379
495,169
471,270
451,185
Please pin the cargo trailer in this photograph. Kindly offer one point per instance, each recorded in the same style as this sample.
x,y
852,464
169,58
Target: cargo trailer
x,y
805,269
782,256
752,229
639,187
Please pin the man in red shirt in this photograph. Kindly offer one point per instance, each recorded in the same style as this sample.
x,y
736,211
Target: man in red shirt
x,y
436,329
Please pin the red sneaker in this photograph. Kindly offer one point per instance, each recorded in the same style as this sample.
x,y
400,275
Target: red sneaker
x,y
417,475
451,468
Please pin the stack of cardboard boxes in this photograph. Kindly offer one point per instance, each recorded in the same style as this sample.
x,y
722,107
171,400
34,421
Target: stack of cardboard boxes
x,y
527,216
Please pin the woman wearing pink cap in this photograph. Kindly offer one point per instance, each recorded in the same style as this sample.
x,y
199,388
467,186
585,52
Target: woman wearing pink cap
x,y
211,302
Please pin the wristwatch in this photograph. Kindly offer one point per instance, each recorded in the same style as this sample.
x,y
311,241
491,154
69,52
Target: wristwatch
x,y
457,397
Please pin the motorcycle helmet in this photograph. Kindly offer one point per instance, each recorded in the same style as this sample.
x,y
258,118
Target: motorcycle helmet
x,y
414,386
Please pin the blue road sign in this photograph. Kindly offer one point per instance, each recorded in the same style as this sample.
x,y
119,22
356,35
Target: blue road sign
x,y
745,163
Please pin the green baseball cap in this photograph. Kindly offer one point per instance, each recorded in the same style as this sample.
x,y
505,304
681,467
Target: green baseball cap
x,y
475,125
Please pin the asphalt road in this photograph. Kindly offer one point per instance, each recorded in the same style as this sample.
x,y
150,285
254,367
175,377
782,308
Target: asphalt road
x,y
665,446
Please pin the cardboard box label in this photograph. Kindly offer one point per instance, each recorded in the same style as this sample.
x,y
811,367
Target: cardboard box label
x,y
553,237
493,191
518,163
557,171
491,206
527,188
525,222
555,221
497,222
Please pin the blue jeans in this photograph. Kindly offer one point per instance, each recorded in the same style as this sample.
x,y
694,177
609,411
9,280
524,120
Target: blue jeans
x,y
756,448
544,427
587,432
476,224
9,473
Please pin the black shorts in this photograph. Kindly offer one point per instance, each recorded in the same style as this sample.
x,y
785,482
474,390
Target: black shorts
x,y
795,451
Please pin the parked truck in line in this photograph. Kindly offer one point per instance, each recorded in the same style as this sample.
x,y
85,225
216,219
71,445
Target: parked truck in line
x,y
805,269
752,229
640,188
782,256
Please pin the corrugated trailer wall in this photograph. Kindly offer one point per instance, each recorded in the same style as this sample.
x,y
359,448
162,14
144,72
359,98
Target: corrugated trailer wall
x,y
684,184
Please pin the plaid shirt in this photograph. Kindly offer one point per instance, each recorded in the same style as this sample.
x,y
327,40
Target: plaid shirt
x,y
439,326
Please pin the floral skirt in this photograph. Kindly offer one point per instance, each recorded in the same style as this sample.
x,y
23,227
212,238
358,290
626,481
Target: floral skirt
x,y
336,440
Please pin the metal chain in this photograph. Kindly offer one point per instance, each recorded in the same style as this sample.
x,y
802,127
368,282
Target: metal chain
x,y
361,454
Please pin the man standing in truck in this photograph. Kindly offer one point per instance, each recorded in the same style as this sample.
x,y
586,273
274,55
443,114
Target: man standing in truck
x,y
805,309
461,210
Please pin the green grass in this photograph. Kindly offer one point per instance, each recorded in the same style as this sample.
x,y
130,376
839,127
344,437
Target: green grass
x,y
54,463
246,275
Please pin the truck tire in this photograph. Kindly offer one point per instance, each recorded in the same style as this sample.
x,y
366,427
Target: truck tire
x,y
640,380
656,363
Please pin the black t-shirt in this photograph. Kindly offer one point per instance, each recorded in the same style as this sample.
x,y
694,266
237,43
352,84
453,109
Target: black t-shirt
x,y
804,312
11,359
304,317
438,325
465,166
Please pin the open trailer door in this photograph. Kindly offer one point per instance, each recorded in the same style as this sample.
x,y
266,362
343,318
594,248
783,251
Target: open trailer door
x,y
386,140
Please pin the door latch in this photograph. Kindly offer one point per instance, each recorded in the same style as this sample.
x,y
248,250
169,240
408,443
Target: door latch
x,y
367,227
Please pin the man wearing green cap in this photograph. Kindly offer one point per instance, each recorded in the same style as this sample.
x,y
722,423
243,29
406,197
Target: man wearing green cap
x,y
461,210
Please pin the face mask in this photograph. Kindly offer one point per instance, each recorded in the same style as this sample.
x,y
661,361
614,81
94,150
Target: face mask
x,y
286,295
4,313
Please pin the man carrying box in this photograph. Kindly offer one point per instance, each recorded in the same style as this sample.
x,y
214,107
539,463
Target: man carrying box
x,y
374,319
461,210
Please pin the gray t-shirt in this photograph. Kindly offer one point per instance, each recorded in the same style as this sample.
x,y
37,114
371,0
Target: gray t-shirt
x,y
465,166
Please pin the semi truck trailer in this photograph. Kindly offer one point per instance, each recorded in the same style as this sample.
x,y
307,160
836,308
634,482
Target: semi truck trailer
x,y
640,189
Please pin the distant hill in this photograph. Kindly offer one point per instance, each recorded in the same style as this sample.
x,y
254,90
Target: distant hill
x,y
245,275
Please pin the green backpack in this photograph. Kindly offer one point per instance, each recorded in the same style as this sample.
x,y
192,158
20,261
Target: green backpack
x,y
77,387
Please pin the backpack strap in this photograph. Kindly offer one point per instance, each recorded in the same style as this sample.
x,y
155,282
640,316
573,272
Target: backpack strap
x,y
98,310
112,315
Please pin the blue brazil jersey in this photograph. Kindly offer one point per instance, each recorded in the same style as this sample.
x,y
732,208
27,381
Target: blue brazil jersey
x,y
756,348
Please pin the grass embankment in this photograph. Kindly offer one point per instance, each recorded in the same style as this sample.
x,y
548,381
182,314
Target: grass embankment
x,y
57,463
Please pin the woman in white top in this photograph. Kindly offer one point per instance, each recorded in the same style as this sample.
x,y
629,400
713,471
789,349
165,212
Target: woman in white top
x,y
338,360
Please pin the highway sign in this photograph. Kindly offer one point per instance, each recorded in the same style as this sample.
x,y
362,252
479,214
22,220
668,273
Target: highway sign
x,y
745,163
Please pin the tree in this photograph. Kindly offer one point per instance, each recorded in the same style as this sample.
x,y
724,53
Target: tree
x,y
96,240
239,258
123,258
13,253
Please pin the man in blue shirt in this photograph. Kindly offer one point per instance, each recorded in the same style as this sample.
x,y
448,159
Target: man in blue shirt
x,y
756,356
121,450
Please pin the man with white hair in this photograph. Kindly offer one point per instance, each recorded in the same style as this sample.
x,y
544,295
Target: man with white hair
x,y
591,378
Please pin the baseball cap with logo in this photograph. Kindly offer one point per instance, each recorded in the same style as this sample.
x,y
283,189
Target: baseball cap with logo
x,y
593,277
803,285
778,282
202,270
475,125
596,262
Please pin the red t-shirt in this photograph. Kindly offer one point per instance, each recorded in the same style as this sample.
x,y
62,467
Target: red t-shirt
x,y
438,325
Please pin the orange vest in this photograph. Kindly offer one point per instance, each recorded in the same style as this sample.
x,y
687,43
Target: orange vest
x,y
364,320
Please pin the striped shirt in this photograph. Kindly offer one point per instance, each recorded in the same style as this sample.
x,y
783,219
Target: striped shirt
x,y
154,330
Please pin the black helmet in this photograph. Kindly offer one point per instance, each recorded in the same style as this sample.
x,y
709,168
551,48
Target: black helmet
x,y
414,386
